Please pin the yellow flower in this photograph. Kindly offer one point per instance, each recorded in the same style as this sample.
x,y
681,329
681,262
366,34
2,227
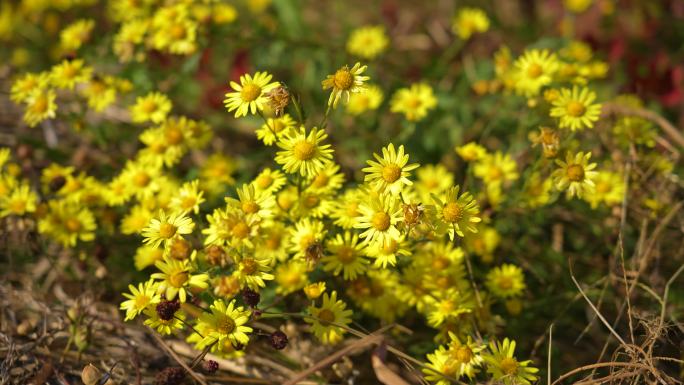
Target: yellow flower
x,y
496,168
432,179
537,190
67,223
457,360
303,153
386,253
152,107
224,322
506,281
414,102
164,228
575,108
368,100
40,105
217,173
314,290
27,84
189,198
252,202
577,6
610,189
269,181
469,21
19,201
230,227
304,235
100,93
504,367
367,42
344,82
328,180
69,72
446,305
346,256
290,277
458,212
471,151
324,320
535,69
177,278
163,327
77,33
139,299
176,35
379,218
346,208
252,272
250,94
391,171
575,174
136,220
275,128
147,256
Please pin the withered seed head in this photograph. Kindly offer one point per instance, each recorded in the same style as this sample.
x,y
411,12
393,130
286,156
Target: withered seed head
x,y
278,99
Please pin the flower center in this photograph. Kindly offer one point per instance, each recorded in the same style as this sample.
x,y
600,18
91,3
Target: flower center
x,y
534,70
311,201
304,150
352,210
264,181
390,247
188,202
391,173
505,283
173,135
167,230
240,230
141,179
273,243
250,207
326,316
73,225
575,173
320,181
440,263
69,71
18,206
40,104
509,366
249,266
381,221
575,109
141,301
343,79
463,354
346,255
452,212
178,279
148,106
177,31
225,325
250,92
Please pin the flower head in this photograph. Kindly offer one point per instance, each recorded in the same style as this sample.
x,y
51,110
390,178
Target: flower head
x,y
575,108
303,152
414,102
324,320
390,173
575,174
344,82
250,95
